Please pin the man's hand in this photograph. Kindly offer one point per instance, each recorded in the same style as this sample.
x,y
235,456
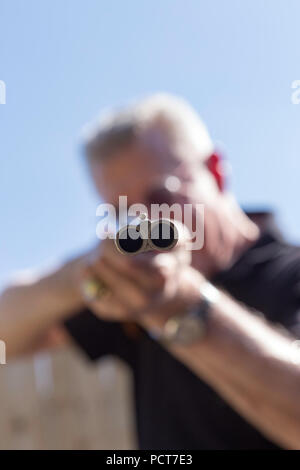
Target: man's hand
x,y
147,288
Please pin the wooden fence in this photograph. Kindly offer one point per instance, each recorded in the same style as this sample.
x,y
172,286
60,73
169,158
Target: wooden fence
x,y
59,401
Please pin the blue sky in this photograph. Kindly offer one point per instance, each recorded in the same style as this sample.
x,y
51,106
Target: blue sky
x,y
64,60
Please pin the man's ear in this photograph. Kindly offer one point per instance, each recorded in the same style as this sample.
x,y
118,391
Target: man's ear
x,y
215,166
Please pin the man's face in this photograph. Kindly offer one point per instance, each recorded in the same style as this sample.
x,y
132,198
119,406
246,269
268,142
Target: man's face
x,y
139,172
130,171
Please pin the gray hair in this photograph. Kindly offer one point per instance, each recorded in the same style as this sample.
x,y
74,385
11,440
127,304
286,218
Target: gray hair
x,y
172,115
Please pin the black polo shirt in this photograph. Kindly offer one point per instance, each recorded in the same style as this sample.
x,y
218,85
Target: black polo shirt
x,y
175,409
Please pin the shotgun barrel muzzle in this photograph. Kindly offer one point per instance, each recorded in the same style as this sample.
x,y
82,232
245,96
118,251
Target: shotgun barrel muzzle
x,y
159,235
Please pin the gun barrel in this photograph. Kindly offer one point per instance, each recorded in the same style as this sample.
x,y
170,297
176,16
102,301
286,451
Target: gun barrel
x,y
158,235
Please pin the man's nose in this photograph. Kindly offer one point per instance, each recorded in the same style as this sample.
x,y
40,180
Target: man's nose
x,y
163,195
160,195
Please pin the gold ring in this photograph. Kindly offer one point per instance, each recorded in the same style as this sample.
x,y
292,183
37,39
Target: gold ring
x,y
93,289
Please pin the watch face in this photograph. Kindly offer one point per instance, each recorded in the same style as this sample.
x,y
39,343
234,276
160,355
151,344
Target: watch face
x,y
184,330
190,329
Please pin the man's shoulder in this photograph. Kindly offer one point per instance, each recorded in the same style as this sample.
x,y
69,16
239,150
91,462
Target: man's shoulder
x,y
266,277
280,280
278,260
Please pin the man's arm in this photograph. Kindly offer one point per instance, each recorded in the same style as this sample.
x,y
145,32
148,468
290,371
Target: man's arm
x,y
253,366
246,360
30,312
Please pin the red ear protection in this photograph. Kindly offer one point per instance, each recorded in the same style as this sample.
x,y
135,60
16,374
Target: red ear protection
x,y
214,164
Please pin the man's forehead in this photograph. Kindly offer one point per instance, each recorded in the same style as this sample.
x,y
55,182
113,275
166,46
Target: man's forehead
x,y
141,156
134,171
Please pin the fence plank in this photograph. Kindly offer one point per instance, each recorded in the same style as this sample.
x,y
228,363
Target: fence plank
x,y
21,423
58,401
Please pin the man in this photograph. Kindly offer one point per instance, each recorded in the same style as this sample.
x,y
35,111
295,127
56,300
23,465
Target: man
x,y
232,381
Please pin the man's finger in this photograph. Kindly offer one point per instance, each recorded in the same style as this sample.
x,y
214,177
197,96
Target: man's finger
x,y
124,289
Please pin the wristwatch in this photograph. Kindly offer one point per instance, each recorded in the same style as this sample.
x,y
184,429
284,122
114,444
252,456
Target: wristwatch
x,y
187,329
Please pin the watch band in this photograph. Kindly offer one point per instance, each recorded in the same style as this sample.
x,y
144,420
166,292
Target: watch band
x,y
189,328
